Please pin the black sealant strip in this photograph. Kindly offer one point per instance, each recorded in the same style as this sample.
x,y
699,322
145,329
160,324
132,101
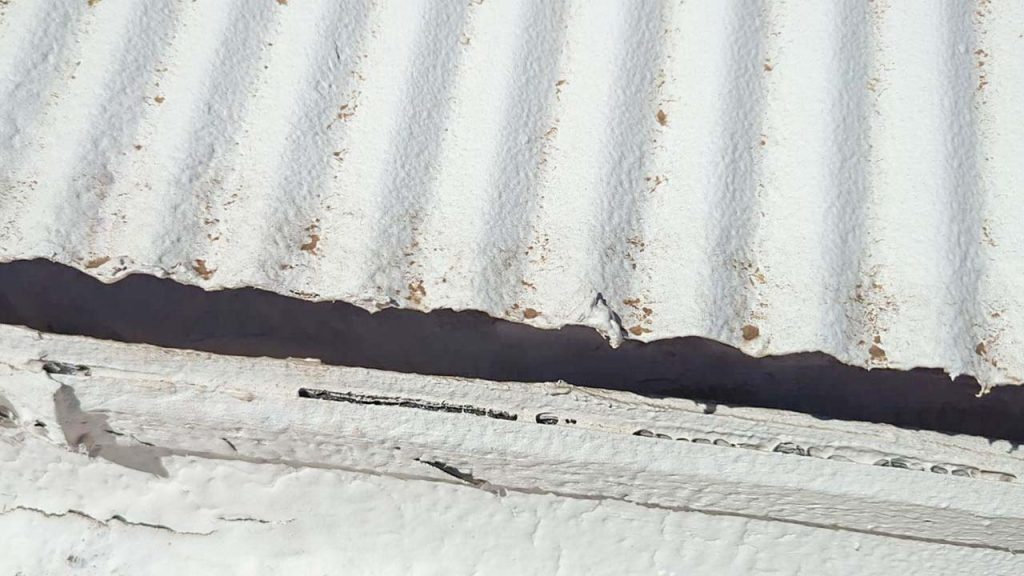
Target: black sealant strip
x,y
144,309
404,402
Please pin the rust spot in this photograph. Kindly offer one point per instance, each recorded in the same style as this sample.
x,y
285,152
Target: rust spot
x,y
647,311
310,246
662,117
97,262
981,349
636,330
530,313
282,2
876,353
750,332
417,291
200,267
158,99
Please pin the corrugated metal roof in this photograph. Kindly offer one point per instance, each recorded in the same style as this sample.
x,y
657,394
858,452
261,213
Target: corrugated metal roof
x,y
781,176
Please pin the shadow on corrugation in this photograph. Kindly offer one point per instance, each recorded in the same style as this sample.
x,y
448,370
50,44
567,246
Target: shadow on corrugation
x,y
143,309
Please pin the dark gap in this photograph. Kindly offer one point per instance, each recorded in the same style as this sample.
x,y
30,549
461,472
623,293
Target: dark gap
x,y
374,400
143,309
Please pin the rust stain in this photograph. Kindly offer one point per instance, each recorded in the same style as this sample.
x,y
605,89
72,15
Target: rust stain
x,y
158,99
636,330
981,349
530,313
310,246
200,267
877,353
416,291
750,332
662,117
97,262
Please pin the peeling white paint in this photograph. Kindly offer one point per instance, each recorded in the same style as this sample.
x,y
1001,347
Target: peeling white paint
x,y
119,458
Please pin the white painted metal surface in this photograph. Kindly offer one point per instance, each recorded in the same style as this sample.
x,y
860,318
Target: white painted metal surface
x,y
781,176
128,459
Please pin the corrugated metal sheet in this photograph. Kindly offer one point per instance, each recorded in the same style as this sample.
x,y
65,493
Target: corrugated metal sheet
x,y
782,176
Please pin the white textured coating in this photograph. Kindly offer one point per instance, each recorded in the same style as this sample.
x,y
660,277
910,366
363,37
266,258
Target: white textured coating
x,y
843,176
214,465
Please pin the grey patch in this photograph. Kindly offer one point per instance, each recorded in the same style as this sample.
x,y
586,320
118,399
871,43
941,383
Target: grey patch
x,y
453,471
790,448
373,400
91,431
546,418
53,367
8,415
997,476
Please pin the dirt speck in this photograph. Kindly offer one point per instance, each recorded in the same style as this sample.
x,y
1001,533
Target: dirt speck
x,y
200,267
158,99
97,262
876,353
662,117
637,330
768,67
93,2
282,2
750,332
530,313
981,349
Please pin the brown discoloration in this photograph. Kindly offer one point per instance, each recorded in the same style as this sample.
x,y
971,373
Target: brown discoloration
x,y
530,313
877,354
93,2
310,245
417,292
750,332
200,267
768,66
981,349
97,262
632,302
636,330
662,117
282,2
158,99
877,339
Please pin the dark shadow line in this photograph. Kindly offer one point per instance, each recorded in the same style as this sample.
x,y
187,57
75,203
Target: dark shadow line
x,y
143,309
